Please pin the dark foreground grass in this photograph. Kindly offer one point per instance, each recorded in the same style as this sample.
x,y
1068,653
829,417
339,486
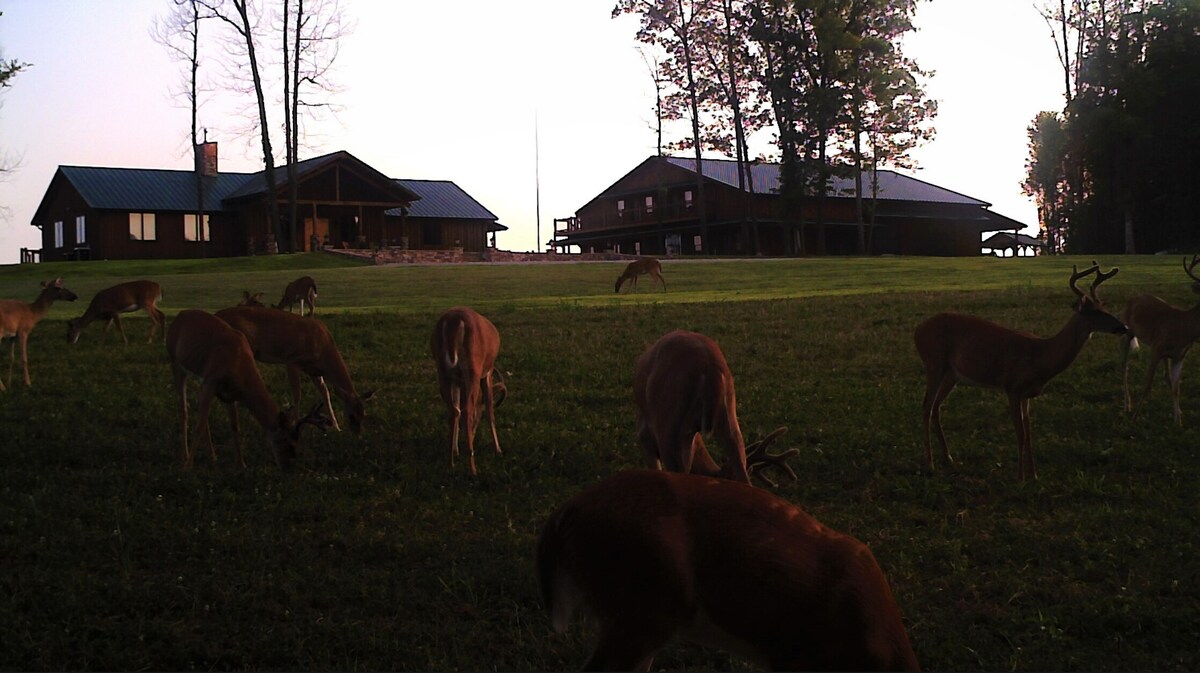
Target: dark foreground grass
x,y
374,555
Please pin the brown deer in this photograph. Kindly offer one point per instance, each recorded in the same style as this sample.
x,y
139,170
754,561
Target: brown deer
x,y
17,320
1168,331
302,290
465,345
110,303
251,299
657,555
961,348
648,265
305,346
204,346
682,387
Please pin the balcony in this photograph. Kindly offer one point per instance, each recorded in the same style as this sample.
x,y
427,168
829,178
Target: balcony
x,y
639,216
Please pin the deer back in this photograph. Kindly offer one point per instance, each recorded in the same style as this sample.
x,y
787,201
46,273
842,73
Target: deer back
x,y
721,564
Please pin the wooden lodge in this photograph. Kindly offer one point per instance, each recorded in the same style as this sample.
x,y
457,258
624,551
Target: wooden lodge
x,y
654,210
129,213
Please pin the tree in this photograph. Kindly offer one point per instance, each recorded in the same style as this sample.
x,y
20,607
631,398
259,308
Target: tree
x,y
9,69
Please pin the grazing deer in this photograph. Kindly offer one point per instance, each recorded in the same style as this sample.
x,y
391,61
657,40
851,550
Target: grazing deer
x,y
637,268
961,348
17,320
682,387
302,290
305,346
251,299
654,555
110,303
1168,331
204,346
465,345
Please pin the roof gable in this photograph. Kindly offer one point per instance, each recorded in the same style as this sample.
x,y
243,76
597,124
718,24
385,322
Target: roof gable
x,y
308,168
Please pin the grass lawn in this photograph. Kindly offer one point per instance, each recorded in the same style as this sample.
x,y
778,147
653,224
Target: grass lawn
x,y
374,555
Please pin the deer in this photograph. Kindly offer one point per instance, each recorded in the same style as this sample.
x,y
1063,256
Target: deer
x,y
110,303
958,348
17,320
302,290
647,265
682,387
201,345
306,347
1168,331
659,555
251,299
464,346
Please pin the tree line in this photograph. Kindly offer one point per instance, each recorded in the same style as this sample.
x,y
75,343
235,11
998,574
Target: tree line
x,y
1118,169
827,78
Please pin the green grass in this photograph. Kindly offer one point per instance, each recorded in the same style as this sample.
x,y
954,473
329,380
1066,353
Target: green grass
x,y
374,555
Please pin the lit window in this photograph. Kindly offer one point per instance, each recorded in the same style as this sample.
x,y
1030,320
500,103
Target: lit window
x,y
649,204
687,198
58,234
141,227
621,207
696,242
80,230
193,233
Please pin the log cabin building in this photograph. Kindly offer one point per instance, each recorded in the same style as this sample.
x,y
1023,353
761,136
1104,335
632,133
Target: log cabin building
x,y
129,213
654,210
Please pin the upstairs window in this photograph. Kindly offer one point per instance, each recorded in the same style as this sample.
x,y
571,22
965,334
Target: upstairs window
x,y
687,199
141,227
58,234
649,204
620,207
193,233
80,230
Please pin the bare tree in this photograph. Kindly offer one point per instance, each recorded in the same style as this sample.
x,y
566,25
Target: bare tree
x,y
9,69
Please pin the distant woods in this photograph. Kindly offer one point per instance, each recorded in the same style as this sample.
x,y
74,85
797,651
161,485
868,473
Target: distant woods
x,y
1118,169
828,77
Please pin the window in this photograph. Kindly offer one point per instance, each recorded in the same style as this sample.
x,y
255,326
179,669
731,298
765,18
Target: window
x,y
687,199
58,234
193,233
80,230
141,227
696,242
431,234
620,207
649,204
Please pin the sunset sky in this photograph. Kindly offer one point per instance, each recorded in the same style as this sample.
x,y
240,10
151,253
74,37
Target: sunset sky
x,y
451,90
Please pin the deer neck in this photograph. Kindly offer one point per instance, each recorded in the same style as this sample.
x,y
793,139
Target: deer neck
x,y
41,305
1060,350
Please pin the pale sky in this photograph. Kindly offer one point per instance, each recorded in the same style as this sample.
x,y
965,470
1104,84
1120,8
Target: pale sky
x,y
450,91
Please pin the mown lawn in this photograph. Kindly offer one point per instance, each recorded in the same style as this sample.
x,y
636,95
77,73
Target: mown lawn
x,y
374,555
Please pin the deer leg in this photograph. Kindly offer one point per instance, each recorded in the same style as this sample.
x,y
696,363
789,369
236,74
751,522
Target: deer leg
x,y
1019,409
180,379
1154,359
24,337
629,646
649,446
117,319
203,405
491,409
2,386
231,408
453,396
1126,345
941,388
729,435
470,422
323,390
1175,367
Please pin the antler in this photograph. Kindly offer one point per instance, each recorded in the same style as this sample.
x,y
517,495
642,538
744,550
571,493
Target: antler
x,y
316,417
1076,275
1100,278
1188,267
757,457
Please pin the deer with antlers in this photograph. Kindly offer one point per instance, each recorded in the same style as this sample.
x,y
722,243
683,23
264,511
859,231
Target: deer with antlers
x,y
655,555
301,291
640,267
958,348
465,345
682,387
17,320
110,303
306,347
202,345
1168,331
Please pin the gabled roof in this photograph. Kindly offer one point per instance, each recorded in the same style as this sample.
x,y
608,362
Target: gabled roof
x,y
892,186
1004,240
444,199
258,183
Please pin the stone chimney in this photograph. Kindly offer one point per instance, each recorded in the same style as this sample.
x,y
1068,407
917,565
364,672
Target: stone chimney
x,y
206,159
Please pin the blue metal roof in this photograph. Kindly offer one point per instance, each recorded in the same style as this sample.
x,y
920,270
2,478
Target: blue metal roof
x,y
892,186
442,198
143,189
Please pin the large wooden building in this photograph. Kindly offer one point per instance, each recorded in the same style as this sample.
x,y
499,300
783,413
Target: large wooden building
x,y
654,209
128,213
